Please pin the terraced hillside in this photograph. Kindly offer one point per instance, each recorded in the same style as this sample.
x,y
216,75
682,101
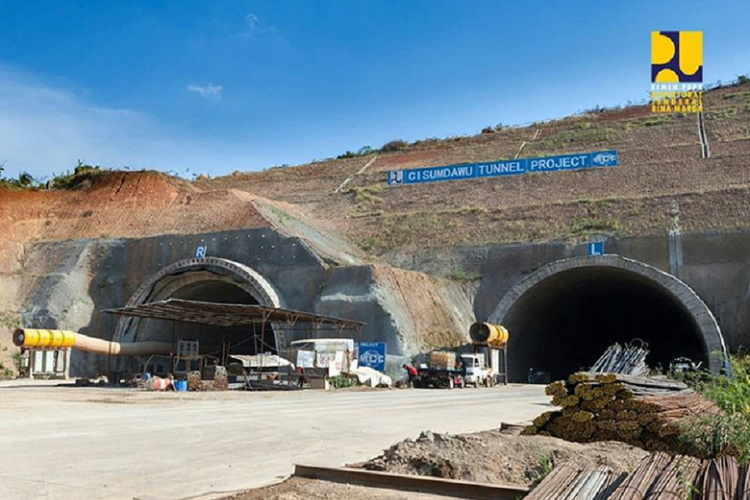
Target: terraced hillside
x,y
661,168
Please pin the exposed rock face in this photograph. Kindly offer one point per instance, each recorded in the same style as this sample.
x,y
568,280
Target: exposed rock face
x,y
405,309
67,284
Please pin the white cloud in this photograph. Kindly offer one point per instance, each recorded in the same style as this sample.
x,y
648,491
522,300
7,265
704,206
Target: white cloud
x,y
253,27
45,130
209,91
251,22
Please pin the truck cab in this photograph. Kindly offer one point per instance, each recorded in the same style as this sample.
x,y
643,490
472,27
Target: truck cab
x,y
477,371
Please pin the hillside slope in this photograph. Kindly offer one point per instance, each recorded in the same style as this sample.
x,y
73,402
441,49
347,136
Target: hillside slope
x,y
661,168
349,204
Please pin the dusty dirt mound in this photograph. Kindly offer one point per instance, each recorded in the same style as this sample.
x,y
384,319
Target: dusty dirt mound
x,y
297,488
497,457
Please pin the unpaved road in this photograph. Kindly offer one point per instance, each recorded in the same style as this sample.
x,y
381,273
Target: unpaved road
x,y
74,443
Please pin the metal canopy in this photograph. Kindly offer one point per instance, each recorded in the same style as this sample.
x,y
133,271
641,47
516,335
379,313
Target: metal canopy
x,y
214,313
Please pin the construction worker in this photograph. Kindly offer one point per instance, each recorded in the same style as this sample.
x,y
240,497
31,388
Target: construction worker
x,y
411,374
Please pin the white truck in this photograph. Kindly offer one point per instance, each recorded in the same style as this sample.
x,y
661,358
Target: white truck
x,y
477,371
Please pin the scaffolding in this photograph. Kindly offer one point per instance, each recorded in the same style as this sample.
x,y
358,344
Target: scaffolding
x,y
284,322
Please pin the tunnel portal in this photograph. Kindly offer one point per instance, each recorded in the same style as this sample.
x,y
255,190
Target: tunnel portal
x,y
214,339
562,317
207,280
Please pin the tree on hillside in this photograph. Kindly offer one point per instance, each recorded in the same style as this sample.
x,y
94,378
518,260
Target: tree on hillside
x,y
25,180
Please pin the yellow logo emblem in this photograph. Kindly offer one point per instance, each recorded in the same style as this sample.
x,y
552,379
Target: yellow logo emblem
x,y
676,56
677,71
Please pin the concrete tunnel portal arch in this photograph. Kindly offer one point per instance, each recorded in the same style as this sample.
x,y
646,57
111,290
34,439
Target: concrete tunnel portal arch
x,y
209,279
564,315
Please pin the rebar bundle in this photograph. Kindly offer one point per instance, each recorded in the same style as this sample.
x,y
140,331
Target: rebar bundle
x,y
628,359
557,484
720,479
658,477
637,484
640,411
677,480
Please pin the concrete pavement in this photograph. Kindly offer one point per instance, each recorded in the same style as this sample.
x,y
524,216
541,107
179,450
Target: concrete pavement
x,y
73,443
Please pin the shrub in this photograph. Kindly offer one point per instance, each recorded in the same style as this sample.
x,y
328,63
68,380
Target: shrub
x,y
341,381
583,226
366,195
732,395
542,469
69,180
488,130
364,150
711,436
368,243
727,433
16,357
743,79
395,145
464,277
24,181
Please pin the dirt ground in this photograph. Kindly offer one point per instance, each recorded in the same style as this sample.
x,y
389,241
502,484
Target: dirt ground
x,y
242,440
497,456
297,488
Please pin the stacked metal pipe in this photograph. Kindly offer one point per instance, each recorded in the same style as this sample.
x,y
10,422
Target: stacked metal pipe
x,y
628,359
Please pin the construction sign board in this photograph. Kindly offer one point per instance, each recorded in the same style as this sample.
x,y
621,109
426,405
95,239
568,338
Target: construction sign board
x,y
520,166
372,355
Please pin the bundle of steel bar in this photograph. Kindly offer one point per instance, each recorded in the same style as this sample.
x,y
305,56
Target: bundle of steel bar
x,y
643,412
677,478
658,477
628,359
720,479
637,485
557,484
743,485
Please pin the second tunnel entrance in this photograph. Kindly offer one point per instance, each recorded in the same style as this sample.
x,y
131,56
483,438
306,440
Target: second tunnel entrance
x,y
562,317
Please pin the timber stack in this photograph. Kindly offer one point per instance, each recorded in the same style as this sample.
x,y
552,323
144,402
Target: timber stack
x,y
640,411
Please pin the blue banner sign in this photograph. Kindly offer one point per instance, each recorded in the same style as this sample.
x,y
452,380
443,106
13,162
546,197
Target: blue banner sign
x,y
578,161
372,354
596,248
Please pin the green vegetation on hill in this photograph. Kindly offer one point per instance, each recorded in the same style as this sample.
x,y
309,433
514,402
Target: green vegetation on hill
x,y
727,433
23,181
72,180
66,180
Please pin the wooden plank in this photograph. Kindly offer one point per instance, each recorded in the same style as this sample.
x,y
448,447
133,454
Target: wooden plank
x,y
432,485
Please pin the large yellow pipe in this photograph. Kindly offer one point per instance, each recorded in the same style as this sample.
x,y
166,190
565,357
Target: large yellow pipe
x,y
28,337
487,333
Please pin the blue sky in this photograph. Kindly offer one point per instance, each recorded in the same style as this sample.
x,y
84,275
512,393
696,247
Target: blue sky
x,y
217,86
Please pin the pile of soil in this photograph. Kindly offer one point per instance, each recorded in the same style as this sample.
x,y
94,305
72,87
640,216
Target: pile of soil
x,y
297,488
497,456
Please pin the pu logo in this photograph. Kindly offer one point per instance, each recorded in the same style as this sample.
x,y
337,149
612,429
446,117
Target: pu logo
x,y
676,56
395,178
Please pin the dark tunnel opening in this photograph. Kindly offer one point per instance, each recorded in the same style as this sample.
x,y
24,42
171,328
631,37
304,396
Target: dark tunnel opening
x,y
215,340
566,321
